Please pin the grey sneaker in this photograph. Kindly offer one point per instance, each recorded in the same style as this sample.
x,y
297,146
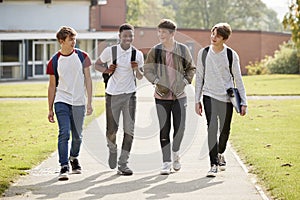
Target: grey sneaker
x,y
176,161
112,160
124,170
64,173
222,162
76,168
213,171
166,168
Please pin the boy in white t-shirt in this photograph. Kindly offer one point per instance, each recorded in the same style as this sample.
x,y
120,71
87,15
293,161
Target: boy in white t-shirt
x,y
120,94
69,82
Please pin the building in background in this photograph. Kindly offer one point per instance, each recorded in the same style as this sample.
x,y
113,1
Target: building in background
x,y
28,28
28,34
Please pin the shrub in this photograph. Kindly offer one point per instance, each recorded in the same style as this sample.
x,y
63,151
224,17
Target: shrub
x,y
284,61
258,68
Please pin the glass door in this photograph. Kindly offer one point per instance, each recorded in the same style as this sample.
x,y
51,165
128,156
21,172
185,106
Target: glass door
x,y
41,53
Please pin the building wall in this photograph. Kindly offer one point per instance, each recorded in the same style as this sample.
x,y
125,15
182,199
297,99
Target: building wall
x,y
109,15
36,15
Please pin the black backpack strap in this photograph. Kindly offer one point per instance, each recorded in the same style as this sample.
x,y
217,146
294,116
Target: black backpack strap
x,y
157,57
183,54
204,55
114,54
229,56
133,54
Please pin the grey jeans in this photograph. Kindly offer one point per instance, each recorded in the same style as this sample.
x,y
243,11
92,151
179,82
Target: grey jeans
x,y
115,104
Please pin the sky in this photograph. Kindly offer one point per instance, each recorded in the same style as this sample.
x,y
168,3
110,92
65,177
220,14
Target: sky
x,y
280,6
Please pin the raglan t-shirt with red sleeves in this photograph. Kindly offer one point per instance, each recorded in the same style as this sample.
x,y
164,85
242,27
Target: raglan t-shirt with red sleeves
x,y
71,85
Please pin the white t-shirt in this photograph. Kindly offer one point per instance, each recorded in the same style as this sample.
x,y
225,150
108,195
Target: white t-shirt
x,y
123,79
71,86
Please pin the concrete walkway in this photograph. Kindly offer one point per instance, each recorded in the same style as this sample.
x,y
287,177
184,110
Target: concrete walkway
x,y
99,182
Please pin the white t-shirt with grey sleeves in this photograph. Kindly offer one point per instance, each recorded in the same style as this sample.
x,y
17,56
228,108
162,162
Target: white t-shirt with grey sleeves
x,y
214,79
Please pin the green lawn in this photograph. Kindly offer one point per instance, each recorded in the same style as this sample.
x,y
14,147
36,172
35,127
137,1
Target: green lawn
x,y
272,85
39,89
26,136
268,139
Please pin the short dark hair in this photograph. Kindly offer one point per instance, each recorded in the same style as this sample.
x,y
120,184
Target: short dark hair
x,y
167,24
64,32
125,26
223,29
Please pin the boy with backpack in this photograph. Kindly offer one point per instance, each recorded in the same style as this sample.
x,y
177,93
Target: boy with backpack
x,y
125,64
69,82
169,66
218,69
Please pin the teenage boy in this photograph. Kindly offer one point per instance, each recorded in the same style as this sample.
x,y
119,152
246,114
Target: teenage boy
x,y
169,66
213,78
120,94
69,82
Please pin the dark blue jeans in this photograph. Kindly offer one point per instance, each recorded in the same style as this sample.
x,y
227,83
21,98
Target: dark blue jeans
x,y
165,109
218,115
115,104
70,119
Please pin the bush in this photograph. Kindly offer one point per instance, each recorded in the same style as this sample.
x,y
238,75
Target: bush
x,y
258,68
284,61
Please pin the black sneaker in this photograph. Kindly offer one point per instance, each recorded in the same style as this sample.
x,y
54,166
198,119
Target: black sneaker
x,y
222,162
213,171
76,168
124,170
63,174
112,160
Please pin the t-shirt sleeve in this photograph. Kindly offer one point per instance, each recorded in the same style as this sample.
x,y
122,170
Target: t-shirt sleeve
x,y
87,60
50,69
105,56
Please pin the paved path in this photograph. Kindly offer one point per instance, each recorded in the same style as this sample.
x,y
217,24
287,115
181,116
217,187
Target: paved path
x,y
99,182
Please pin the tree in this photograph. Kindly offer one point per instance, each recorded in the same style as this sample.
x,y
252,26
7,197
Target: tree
x,y
292,21
240,14
148,13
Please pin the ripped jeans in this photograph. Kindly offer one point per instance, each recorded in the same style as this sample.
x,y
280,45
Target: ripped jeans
x,y
165,109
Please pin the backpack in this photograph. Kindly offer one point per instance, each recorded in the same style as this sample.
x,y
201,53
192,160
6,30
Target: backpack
x,y
55,61
114,61
158,60
229,56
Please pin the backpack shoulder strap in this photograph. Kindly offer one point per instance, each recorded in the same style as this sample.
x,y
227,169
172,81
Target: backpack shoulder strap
x,y
80,55
114,54
183,54
54,65
157,57
229,56
133,54
204,55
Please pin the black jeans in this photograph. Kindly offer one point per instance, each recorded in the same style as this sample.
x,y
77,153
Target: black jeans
x,y
218,115
166,108
115,104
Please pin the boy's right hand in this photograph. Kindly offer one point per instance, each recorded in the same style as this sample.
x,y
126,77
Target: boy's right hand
x,y
51,117
111,69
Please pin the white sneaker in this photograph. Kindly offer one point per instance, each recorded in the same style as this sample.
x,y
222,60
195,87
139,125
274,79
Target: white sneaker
x,y
166,168
176,161
213,171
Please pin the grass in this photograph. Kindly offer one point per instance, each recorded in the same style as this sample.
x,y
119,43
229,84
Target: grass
x,y
272,84
26,136
268,139
38,89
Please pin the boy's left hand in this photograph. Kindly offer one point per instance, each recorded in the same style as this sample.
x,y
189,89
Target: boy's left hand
x,y
89,110
134,65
